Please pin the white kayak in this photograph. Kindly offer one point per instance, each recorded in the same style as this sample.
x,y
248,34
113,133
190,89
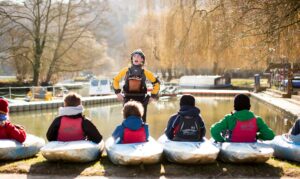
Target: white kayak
x,y
134,154
244,152
13,150
74,151
189,152
285,148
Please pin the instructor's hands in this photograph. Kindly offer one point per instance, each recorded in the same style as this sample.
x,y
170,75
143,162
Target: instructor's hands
x,y
152,100
120,97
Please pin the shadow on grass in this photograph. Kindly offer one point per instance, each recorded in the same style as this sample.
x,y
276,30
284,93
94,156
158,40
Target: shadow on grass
x,y
142,170
220,169
59,168
168,169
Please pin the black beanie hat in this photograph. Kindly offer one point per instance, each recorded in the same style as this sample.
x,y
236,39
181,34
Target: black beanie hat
x,y
241,102
187,100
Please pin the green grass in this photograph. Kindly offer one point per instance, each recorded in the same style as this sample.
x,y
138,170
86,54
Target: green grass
x,y
9,80
239,82
103,167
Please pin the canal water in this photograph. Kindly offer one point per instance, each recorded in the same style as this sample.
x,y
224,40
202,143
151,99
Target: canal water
x,y
107,116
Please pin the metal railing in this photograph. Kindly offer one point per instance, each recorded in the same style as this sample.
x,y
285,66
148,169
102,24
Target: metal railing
x,y
32,92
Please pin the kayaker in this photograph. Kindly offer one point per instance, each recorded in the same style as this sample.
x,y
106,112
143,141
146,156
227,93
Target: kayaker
x,y
187,124
132,129
294,133
9,130
71,124
242,125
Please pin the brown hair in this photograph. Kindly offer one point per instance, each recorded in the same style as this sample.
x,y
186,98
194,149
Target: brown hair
x,y
72,99
133,108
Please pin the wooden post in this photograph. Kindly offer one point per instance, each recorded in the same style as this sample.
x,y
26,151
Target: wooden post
x,y
290,85
9,88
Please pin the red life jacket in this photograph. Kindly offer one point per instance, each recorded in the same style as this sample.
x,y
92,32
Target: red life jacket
x,y
245,131
134,136
70,129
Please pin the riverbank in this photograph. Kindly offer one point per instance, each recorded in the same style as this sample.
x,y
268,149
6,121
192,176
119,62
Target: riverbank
x,y
103,167
287,105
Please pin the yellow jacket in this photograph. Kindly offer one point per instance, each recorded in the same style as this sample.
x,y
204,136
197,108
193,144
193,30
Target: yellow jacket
x,y
149,75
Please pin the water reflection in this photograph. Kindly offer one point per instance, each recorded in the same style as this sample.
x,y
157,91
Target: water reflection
x,y
107,117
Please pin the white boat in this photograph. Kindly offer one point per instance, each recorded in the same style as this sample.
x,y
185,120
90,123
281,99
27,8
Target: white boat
x,y
74,151
189,152
285,148
134,154
100,87
244,152
13,150
204,82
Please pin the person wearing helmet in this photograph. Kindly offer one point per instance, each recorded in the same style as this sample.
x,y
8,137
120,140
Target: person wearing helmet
x,y
135,82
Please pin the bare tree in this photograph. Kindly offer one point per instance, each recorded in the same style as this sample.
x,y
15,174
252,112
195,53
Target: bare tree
x,y
69,33
53,28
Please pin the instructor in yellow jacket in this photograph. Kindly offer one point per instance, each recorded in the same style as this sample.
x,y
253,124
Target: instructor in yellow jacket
x,y
135,82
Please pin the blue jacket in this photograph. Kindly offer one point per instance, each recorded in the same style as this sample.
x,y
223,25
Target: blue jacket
x,y
295,132
184,111
133,123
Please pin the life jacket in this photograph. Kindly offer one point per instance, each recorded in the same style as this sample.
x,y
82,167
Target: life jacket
x,y
244,131
188,129
70,129
135,80
134,136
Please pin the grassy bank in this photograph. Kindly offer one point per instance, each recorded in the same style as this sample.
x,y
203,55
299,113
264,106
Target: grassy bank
x,y
247,83
103,167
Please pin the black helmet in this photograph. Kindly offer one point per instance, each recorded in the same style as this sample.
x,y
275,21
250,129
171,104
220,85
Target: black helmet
x,y
139,52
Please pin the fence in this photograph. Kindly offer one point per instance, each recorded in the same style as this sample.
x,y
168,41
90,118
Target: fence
x,y
33,92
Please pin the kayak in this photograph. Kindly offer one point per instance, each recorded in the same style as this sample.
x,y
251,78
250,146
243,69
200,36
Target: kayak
x,y
74,151
286,149
134,154
13,150
244,152
189,152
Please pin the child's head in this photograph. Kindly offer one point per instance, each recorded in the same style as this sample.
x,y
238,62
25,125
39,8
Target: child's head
x,y
72,99
137,57
187,100
241,102
133,108
3,109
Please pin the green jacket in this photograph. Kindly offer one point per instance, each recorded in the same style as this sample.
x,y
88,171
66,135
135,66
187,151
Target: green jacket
x,y
229,122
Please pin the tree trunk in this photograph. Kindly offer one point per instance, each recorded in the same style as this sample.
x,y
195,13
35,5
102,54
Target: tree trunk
x,y
169,70
215,67
37,65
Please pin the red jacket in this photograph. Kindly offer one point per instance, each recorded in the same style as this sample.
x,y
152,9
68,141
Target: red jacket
x,y
10,131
